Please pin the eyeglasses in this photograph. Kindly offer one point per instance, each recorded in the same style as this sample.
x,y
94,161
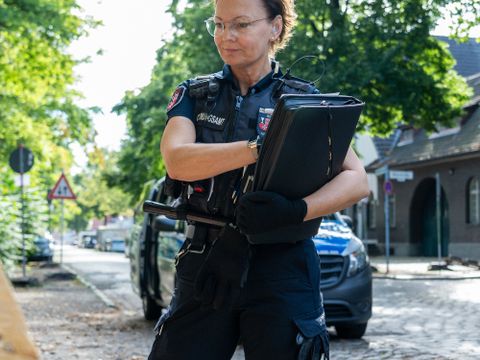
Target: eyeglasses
x,y
215,27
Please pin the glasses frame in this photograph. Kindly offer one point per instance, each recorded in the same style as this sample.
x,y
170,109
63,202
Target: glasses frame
x,y
235,28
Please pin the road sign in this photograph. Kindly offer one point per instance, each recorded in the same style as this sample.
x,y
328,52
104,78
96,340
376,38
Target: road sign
x,y
21,160
62,190
388,187
401,175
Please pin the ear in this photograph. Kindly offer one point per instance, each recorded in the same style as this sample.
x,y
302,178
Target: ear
x,y
277,26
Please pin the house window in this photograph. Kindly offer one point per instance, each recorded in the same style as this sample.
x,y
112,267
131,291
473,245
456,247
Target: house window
x,y
473,201
406,137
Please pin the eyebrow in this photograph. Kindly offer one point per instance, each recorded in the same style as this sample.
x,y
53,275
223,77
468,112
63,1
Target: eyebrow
x,y
235,18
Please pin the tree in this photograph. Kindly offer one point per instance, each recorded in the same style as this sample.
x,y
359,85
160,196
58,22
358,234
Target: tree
x,y
37,102
380,51
95,198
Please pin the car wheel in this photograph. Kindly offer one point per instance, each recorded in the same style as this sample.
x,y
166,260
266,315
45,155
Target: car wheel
x,y
151,310
355,331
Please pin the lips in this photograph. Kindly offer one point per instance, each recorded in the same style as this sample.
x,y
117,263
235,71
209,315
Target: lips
x,y
230,51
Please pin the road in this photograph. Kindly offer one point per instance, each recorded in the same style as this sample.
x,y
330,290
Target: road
x,y
412,319
109,272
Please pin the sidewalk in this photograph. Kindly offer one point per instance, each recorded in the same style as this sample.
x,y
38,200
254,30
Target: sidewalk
x,y
417,268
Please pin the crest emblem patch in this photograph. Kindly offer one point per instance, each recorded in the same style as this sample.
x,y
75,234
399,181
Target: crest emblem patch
x,y
263,120
176,97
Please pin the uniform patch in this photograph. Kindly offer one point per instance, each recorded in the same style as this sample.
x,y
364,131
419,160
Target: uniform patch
x,y
210,120
263,120
176,97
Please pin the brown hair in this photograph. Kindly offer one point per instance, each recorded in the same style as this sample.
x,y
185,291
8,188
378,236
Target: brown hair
x,y
286,9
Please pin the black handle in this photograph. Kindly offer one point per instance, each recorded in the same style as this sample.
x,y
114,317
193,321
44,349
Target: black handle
x,y
153,207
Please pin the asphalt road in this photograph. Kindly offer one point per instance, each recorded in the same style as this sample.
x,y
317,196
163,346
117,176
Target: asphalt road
x,y
412,319
109,272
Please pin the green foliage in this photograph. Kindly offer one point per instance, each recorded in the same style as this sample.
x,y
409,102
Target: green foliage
x,y
37,103
10,236
35,220
380,51
95,198
191,52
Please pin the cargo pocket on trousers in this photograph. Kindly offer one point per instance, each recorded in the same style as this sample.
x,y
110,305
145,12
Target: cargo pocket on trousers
x,y
188,261
312,339
159,325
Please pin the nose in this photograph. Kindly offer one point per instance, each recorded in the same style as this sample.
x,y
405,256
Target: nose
x,y
229,32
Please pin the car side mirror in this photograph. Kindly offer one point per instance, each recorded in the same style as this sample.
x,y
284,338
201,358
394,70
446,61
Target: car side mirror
x,y
348,220
162,223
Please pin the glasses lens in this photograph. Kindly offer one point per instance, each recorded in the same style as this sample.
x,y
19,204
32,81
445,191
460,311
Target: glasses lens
x,y
210,24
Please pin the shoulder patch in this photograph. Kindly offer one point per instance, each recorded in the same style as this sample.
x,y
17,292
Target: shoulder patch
x,y
176,97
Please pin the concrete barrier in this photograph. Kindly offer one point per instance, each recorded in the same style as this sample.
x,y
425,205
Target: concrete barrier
x,y
15,343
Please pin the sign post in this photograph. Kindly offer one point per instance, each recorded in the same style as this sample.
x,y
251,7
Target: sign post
x,y
398,175
21,161
439,220
62,190
388,187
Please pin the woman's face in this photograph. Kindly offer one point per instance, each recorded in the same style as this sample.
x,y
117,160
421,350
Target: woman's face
x,y
245,40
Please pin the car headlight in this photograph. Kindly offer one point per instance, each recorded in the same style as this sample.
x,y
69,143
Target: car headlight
x,y
358,258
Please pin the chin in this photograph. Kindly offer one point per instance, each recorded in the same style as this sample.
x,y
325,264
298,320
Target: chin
x,y
231,60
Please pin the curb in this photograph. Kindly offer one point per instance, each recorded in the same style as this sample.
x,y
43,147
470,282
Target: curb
x,y
424,277
105,299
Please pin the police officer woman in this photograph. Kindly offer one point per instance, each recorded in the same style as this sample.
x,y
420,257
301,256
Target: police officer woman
x,y
227,290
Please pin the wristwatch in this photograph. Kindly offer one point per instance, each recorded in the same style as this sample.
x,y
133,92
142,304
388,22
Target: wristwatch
x,y
254,145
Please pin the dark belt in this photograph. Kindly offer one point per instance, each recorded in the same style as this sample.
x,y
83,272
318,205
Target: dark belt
x,y
199,238
200,235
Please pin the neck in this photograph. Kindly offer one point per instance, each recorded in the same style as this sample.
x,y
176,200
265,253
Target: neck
x,y
250,75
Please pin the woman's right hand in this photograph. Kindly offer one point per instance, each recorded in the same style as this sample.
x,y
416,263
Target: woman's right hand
x,y
262,211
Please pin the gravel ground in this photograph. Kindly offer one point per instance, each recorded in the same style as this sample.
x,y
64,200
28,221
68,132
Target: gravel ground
x,y
68,321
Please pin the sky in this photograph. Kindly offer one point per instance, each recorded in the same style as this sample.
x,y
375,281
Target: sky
x,y
132,31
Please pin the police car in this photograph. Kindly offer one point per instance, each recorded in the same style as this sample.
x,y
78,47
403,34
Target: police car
x,y
346,278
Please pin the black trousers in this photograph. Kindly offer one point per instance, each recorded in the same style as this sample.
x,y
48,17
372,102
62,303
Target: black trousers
x,y
280,305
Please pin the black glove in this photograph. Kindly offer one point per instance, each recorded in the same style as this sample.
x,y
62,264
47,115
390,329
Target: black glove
x,y
262,211
313,349
224,271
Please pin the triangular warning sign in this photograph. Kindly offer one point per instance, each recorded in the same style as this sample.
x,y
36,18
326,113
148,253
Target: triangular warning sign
x,y
62,190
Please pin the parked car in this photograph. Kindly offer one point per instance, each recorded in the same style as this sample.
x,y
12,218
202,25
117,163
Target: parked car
x,y
346,278
87,239
111,238
43,249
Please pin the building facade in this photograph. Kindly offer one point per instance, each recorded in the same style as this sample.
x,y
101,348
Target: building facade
x,y
439,209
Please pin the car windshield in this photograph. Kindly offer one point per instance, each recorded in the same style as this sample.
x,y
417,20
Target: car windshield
x,y
40,240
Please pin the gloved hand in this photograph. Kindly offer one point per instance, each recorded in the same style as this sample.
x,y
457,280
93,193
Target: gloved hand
x,y
224,271
262,211
313,349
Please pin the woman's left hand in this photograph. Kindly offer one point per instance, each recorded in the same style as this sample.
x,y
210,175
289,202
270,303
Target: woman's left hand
x,y
262,211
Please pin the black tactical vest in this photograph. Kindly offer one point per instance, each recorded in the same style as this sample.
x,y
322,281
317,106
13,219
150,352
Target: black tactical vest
x,y
223,115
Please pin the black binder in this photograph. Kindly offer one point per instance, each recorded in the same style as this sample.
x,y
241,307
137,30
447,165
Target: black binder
x,y
305,145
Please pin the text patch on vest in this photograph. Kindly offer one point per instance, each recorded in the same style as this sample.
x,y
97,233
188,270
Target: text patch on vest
x,y
211,121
